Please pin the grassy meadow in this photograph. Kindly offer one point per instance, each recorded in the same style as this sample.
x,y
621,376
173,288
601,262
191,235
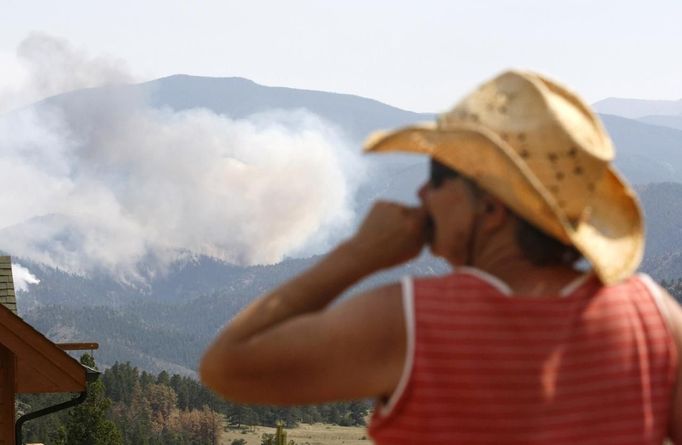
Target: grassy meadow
x,y
305,434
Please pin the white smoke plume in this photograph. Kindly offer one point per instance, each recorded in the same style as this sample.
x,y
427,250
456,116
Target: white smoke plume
x,y
22,277
45,65
111,184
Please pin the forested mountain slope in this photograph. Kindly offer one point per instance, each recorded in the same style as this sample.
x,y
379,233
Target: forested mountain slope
x,y
163,320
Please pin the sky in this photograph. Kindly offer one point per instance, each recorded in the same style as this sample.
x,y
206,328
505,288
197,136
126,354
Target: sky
x,y
420,56
90,182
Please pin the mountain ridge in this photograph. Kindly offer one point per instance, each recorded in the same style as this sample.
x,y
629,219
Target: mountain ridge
x,y
206,289
638,108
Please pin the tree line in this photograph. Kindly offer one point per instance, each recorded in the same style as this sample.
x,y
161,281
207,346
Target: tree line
x,y
129,406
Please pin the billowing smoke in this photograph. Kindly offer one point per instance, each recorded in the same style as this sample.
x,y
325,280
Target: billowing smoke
x,y
22,277
46,65
110,184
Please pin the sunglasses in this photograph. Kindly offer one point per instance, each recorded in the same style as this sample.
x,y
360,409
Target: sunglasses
x,y
439,173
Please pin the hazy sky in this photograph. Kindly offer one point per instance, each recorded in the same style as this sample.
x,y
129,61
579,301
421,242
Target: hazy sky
x,y
419,55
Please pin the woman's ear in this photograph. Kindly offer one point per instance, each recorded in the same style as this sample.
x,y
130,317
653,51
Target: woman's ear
x,y
495,213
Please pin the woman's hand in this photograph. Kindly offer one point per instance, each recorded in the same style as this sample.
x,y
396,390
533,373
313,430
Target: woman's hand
x,y
391,234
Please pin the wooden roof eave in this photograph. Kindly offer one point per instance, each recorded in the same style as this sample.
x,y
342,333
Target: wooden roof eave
x,y
41,365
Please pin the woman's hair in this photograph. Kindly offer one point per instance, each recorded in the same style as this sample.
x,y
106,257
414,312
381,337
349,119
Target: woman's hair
x,y
542,249
538,247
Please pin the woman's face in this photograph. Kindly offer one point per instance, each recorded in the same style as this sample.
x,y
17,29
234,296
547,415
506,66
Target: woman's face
x,y
451,206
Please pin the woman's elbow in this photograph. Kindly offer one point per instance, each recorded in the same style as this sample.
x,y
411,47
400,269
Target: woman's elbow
x,y
207,371
219,373
214,371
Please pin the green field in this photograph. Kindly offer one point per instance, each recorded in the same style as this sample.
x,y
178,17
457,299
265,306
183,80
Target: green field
x,y
304,434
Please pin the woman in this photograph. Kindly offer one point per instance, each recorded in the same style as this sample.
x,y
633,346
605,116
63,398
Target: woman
x,y
516,345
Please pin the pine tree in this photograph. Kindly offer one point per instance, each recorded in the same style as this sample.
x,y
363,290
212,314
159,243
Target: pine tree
x,y
163,378
119,381
88,423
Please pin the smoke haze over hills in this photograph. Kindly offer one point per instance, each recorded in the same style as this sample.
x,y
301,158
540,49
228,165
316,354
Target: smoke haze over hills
x,y
106,185
127,179
161,196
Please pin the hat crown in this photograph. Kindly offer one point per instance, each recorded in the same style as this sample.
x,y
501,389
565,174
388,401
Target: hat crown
x,y
550,129
540,150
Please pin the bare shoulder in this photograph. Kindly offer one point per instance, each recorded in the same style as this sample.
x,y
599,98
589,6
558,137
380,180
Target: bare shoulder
x,y
384,301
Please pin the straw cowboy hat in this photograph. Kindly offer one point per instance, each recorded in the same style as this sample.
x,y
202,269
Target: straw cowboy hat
x,y
542,151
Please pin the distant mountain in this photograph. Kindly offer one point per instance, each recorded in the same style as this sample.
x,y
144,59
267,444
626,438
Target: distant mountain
x,y
662,205
125,334
663,113
356,117
183,281
663,121
170,330
636,108
237,98
168,324
194,277
645,153
164,322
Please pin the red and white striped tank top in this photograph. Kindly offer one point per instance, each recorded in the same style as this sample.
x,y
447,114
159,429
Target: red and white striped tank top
x,y
595,365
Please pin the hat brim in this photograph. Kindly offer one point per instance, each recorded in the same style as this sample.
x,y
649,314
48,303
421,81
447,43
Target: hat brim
x,y
610,236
